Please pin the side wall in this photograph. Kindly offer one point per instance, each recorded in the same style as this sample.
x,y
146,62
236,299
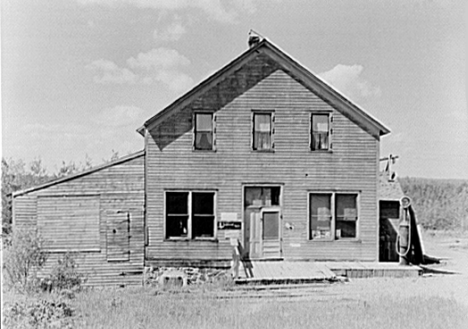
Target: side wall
x,y
118,189
351,166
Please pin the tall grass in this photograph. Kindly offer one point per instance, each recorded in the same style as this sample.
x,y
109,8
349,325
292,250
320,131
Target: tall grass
x,y
142,309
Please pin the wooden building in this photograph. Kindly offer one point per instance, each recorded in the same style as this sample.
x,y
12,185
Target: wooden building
x,y
97,215
262,152
266,152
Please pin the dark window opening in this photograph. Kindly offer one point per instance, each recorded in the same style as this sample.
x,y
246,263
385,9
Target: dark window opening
x,y
199,223
203,214
176,214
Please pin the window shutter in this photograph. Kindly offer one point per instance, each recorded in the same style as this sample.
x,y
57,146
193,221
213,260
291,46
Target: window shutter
x,y
273,130
214,131
330,129
252,131
194,129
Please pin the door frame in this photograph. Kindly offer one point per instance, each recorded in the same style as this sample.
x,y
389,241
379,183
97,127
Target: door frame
x,y
271,208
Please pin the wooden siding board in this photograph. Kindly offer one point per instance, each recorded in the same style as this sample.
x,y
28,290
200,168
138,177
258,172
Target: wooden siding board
x,y
352,166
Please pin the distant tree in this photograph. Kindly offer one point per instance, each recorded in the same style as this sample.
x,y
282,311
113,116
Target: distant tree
x,y
439,203
16,176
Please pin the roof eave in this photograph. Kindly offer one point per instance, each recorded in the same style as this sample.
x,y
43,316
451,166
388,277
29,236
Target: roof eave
x,y
83,173
204,85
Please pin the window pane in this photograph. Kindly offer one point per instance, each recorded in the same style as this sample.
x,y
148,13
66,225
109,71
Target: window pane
x,y
320,211
176,226
271,226
176,203
262,132
262,196
202,226
204,141
203,203
203,131
320,132
204,122
346,215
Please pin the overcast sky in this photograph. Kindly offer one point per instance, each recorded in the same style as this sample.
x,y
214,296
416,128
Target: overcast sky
x,y
79,76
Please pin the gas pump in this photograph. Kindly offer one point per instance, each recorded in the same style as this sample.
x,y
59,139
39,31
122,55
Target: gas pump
x,y
403,244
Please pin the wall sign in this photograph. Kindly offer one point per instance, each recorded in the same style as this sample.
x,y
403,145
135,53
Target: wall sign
x,y
230,225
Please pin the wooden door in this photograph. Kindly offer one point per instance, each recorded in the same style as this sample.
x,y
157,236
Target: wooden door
x,y
118,235
255,239
271,234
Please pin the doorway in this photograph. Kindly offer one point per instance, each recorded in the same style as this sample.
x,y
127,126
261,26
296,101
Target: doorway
x,y
262,222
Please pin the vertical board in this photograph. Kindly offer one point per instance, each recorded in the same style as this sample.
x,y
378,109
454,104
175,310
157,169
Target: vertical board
x,y
118,235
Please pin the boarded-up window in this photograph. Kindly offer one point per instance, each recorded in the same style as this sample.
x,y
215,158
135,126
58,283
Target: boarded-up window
x,y
118,235
69,222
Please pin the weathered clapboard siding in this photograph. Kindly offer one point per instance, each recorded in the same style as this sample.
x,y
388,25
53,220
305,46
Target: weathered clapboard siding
x,y
261,85
76,215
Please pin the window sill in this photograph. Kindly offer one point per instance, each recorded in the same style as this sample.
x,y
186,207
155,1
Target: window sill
x,y
203,151
353,240
263,151
215,240
321,151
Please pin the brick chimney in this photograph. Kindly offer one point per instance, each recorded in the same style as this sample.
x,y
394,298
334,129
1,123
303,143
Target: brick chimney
x,y
254,39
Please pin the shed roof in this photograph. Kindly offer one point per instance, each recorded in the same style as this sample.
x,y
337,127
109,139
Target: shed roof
x,y
81,174
290,66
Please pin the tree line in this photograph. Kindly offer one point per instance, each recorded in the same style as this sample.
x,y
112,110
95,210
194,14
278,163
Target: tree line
x,y
18,175
440,204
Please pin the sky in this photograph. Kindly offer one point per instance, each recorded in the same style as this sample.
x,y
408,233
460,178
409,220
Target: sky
x,y
80,76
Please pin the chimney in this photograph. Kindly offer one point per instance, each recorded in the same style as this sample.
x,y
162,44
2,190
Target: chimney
x,y
254,39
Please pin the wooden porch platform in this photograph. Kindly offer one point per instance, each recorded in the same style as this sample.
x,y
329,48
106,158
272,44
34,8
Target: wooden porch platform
x,y
306,272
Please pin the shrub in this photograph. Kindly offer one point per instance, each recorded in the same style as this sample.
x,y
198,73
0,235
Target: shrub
x,y
23,258
65,275
39,314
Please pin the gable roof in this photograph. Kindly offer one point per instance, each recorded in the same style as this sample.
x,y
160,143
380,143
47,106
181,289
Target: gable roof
x,y
80,174
290,66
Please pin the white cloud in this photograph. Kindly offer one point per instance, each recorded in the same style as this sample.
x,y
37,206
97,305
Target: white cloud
x,y
347,79
172,32
120,116
215,9
110,73
157,65
159,58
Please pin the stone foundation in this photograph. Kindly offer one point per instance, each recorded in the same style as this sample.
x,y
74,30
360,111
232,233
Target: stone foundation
x,y
153,276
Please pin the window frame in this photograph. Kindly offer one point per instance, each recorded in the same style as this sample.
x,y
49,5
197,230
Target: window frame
x,y
190,236
333,224
213,130
271,113
328,113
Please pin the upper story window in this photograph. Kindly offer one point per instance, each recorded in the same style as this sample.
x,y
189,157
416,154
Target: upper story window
x,y
204,131
333,215
320,132
262,131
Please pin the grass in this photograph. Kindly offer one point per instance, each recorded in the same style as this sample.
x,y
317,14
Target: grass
x,y
323,307
436,301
